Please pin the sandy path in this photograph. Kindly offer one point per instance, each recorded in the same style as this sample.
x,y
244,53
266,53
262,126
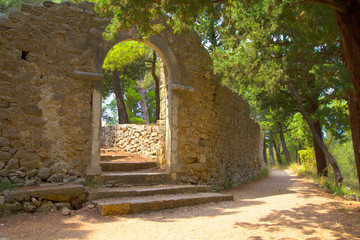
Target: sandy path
x,y
279,207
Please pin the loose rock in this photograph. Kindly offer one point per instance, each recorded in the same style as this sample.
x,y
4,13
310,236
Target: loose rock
x,y
46,206
28,206
44,173
65,211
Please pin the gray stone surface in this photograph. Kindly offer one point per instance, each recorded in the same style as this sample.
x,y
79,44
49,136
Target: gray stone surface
x,y
65,211
46,206
28,206
44,173
4,142
12,164
4,156
4,20
56,178
21,194
2,201
132,138
14,206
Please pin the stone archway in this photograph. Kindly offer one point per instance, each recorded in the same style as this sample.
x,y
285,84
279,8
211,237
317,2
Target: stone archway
x,y
51,59
168,120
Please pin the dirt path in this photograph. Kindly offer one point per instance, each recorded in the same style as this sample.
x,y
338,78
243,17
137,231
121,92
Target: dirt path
x,y
279,207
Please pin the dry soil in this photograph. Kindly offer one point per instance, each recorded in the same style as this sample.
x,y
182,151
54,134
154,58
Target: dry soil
x,y
281,206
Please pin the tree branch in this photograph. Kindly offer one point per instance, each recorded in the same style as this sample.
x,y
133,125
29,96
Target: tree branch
x,y
333,5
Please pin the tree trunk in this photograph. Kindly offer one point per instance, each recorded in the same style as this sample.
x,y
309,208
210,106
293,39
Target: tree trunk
x,y
321,165
271,155
122,114
264,152
157,87
354,110
348,23
144,108
328,155
278,155
283,143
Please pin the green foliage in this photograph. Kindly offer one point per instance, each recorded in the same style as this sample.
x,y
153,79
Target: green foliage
x,y
5,185
264,174
344,154
227,185
132,59
343,150
149,16
136,120
5,5
125,53
307,157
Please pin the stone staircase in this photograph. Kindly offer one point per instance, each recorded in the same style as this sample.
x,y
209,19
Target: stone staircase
x,y
135,186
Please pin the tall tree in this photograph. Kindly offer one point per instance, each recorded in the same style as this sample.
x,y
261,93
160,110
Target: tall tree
x,y
119,96
144,108
271,155
278,154
120,57
157,86
283,144
324,149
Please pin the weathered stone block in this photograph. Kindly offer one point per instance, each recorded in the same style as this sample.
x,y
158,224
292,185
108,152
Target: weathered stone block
x,y
28,206
4,21
44,173
4,156
10,133
35,121
46,206
32,110
55,178
30,162
12,164
114,209
14,206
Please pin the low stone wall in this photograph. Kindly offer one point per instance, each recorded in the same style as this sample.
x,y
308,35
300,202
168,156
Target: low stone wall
x,y
132,138
47,198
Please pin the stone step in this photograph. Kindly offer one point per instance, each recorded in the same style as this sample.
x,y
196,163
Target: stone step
x,y
53,192
136,178
122,206
102,193
109,157
126,166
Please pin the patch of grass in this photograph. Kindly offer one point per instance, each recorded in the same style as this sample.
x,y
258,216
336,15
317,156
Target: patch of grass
x,y
227,185
5,185
264,174
328,182
91,183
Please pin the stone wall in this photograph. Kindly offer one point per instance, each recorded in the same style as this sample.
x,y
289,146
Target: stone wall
x,y
218,142
49,116
132,138
45,114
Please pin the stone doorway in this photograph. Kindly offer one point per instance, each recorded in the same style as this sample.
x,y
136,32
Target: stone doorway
x,y
134,106
113,137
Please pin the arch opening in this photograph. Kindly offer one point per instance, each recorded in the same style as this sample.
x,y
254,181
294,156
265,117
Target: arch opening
x,y
134,102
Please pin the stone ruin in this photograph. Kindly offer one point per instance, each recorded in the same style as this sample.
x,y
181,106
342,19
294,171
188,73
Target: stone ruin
x,y
51,58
